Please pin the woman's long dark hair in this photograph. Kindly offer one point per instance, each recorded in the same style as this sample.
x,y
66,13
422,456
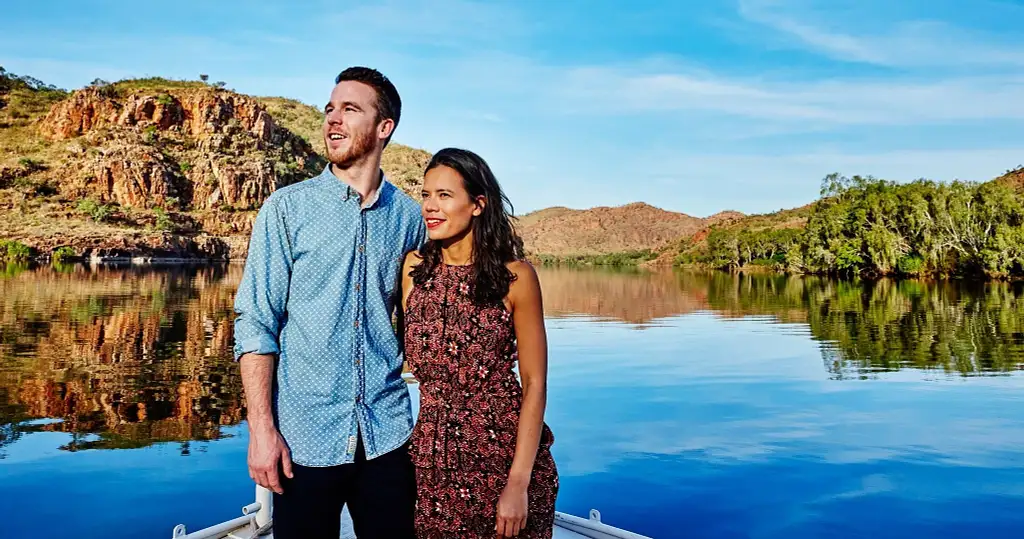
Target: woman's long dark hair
x,y
495,242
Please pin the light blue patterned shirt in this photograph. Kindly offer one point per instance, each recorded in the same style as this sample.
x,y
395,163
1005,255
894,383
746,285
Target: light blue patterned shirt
x,y
320,285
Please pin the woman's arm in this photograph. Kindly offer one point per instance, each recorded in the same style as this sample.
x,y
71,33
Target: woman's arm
x,y
528,319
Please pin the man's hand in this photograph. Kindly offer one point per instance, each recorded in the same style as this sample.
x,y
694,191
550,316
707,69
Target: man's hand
x,y
268,453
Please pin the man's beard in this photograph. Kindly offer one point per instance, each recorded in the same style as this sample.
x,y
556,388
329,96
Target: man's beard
x,y
361,146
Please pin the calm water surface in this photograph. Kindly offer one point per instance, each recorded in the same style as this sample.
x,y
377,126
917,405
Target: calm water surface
x,y
683,404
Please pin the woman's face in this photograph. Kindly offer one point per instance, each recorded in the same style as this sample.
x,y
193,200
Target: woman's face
x,y
448,209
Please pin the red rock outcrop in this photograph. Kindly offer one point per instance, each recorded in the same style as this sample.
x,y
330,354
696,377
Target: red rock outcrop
x,y
197,113
195,149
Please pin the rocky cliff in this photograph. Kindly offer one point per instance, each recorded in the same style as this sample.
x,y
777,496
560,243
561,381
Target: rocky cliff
x,y
193,150
154,167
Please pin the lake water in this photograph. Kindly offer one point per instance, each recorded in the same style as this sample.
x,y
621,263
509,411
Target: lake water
x,y
683,404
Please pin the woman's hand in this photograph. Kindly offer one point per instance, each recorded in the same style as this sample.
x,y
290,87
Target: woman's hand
x,y
512,507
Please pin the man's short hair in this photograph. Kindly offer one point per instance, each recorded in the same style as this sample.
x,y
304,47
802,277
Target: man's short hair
x,y
389,103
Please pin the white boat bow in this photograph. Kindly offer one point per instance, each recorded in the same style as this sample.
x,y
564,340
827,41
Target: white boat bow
x,y
257,522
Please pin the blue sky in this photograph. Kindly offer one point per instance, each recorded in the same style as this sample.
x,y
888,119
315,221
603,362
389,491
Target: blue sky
x,y
694,107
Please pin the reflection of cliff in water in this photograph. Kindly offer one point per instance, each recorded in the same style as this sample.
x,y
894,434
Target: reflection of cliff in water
x,y
636,297
133,356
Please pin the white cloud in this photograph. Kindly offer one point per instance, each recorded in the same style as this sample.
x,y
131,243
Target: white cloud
x,y
830,101
508,85
918,43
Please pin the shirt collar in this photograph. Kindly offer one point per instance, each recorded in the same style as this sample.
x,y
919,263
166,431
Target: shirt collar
x,y
347,192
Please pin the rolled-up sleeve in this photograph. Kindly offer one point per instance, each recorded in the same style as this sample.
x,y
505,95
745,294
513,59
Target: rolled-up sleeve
x,y
260,304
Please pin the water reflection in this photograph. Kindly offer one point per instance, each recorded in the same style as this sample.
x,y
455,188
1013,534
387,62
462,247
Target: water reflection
x,y
635,297
133,356
864,327
882,326
128,357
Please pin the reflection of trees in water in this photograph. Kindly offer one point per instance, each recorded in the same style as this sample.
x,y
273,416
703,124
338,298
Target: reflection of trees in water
x,y
863,326
132,356
9,433
887,325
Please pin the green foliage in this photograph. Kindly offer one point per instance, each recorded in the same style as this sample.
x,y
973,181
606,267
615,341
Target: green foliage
x,y
62,254
155,84
10,82
867,226
22,101
31,165
96,211
15,251
149,133
12,269
912,264
287,168
163,221
165,99
729,248
104,88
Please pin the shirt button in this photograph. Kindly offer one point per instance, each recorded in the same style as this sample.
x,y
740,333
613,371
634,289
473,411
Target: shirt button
x,y
358,287
362,248
357,323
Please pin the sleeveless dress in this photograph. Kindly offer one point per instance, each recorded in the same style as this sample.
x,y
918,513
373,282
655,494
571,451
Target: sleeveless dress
x,y
464,440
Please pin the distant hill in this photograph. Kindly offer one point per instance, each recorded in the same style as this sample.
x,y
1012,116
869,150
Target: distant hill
x,y
1013,178
638,226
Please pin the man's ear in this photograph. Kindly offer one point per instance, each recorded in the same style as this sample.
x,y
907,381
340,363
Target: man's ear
x,y
385,128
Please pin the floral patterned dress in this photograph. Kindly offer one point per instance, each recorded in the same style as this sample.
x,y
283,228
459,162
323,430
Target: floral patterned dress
x,y
462,446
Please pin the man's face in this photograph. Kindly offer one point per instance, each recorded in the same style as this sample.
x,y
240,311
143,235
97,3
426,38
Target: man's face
x,y
351,128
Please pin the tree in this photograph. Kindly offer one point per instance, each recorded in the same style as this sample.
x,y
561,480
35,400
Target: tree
x,y
204,77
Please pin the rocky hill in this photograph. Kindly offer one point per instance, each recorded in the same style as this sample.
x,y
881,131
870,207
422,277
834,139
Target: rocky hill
x,y
1013,178
153,167
603,230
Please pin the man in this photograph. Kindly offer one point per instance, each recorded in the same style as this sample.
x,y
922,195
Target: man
x,y
329,414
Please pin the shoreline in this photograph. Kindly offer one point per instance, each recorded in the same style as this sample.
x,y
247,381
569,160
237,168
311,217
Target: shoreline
x,y
539,260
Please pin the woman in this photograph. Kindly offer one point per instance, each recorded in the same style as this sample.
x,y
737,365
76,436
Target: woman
x,y
472,308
